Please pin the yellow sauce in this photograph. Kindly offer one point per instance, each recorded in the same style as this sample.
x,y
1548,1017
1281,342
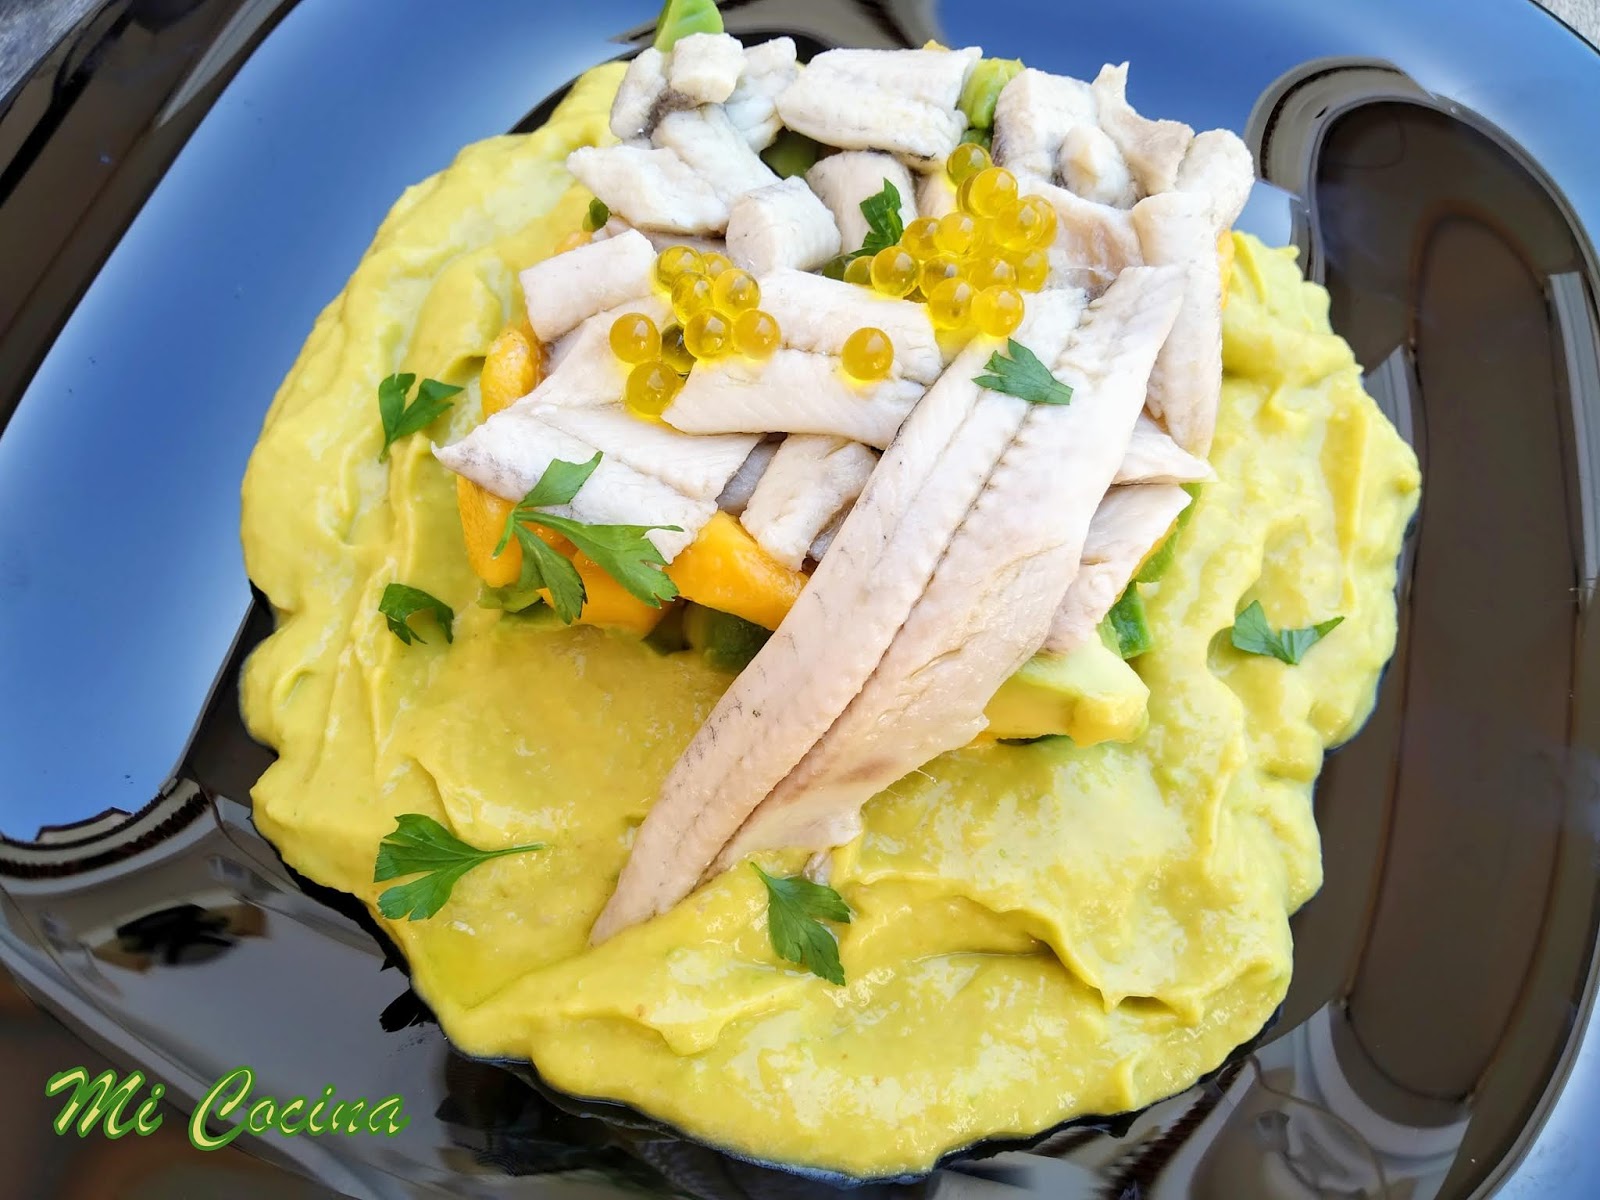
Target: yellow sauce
x,y
1042,931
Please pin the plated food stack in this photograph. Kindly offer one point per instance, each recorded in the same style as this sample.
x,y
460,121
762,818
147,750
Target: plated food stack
x,y
1030,338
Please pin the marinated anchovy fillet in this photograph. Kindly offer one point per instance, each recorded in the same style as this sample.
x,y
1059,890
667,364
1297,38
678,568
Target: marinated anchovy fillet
x,y
1092,167
1130,523
1032,118
699,467
810,481
709,144
584,371
819,314
1219,167
843,181
634,110
651,187
1153,457
736,495
563,291
705,67
1153,149
781,225
768,69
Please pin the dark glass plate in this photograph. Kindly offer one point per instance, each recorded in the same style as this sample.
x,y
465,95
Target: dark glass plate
x,y
184,184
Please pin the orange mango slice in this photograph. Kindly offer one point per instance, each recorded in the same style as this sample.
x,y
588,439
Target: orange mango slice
x,y
513,367
483,520
726,569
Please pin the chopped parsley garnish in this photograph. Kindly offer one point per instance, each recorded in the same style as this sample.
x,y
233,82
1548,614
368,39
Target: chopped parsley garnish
x,y
623,552
1023,376
796,908
1253,635
597,215
401,601
420,845
401,419
884,223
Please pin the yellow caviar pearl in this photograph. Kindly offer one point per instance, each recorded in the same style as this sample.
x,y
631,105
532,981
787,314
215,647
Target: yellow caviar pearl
x,y
677,261
673,352
997,311
991,271
572,241
956,233
1031,223
991,192
635,339
919,240
691,295
735,291
1033,269
868,354
950,303
859,271
965,161
715,264
894,272
936,270
650,388
708,334
756,333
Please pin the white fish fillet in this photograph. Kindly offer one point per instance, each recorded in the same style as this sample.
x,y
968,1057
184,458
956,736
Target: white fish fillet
x,y
1152,149
642,89
782,225
792,392
705,67
768,69
1220,167
860,595
742,486
584,371
1091,166
714,150
650,187
902,101
1186,386
1128,525
1033,116
936,195
810,481
996,586
698,466
843,181
1153,457
509,451
819,314
1094,242
563,291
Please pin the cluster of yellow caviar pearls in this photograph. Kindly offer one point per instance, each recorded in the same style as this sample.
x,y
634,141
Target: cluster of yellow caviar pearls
x,y
716,310
970,266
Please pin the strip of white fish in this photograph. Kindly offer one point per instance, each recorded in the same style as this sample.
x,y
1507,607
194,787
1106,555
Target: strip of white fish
x,y
642,89
810,481
819,314
1220,167
714,150
1092,167
1130,523
1152,149
651,187
1094,242
794,391
782,225
989,603
936,195
584,370
843,181
563,291
1186,386
705,67
1153,457
902,101
510,451
736,495
858,598
699,466
1032,117
768,69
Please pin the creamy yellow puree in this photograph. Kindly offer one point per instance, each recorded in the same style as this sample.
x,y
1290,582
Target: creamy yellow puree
x,y
1042,931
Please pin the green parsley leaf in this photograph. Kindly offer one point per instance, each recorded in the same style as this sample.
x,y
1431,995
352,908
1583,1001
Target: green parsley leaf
x,y
420,845
1253,635
1023,376
680,18
399,420
796,908
401,601
884,223
621,551
597,215
1128,625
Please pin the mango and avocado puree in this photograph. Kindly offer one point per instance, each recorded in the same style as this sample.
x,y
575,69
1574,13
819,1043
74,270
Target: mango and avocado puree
x,y
1041,931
